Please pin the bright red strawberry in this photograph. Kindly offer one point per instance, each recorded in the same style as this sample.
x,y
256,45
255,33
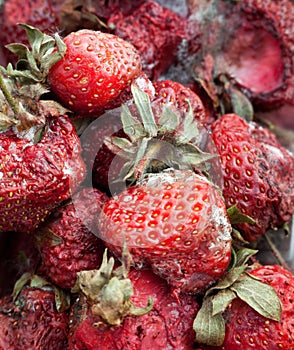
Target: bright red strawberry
x,y
37,176
176,223
166,325
155,31
246,329
38,13
67,241
257,172
168,91
33,319
96,68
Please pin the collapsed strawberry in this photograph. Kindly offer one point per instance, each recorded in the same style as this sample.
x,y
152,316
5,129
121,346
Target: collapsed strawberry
x,y
35,317
129,309
257,172
96,68
253,46
67,242
155,31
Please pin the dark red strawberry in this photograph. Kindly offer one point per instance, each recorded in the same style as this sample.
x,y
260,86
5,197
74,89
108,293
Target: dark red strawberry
x,y
257,174
34,318
168,91
96,153
155,31
176,223
38,13
96,68
166,324
67,241
75,15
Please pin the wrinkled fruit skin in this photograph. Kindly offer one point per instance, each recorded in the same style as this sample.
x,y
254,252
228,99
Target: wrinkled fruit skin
x,y
67,242
257,174
167,326
169,91
174,222
32,322
95,70
155,31
246,329
36,178
37,13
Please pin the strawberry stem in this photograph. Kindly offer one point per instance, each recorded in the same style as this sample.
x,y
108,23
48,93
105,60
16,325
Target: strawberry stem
x,y
276,252
8,96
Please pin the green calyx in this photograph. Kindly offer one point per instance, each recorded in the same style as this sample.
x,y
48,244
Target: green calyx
x,y
209,324
153,145
22,87
34,63
108,290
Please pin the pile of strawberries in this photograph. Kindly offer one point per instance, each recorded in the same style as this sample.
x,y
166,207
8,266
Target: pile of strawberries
x,y
146,150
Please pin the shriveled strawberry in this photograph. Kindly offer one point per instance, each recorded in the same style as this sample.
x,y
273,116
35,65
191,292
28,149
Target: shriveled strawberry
x,y
78,14
37,176
257,172
168,91
95,70
67,241
155,31
245,328
174,222
258,50
38,13
34,318
166,324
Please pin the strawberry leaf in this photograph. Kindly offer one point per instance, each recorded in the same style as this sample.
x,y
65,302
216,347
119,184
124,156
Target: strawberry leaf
x,y
236,217
222,300
131,126
260,296
143,105
169,121
209,329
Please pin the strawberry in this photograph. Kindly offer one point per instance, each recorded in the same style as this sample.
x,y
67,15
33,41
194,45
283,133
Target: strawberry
x,y
245,328
37,177
257,174
40,155
155,31
96,68
174,222
96,153
257,49
165,324
38,13
67,240
34,318
169,91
